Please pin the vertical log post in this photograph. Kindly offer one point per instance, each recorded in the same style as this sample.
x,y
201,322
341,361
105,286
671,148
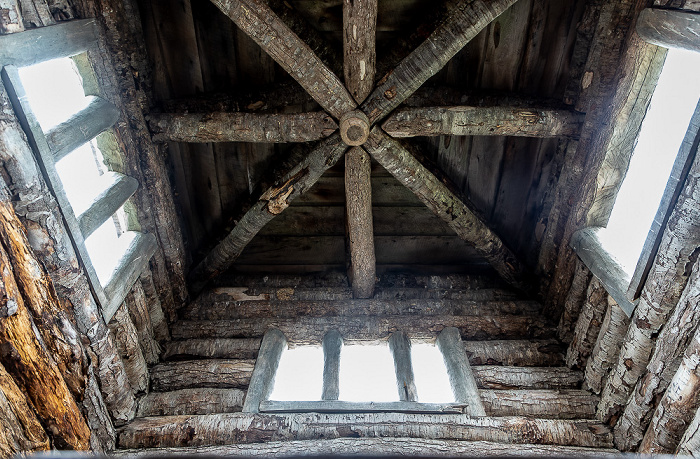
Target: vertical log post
x,y
459,371
588,325
332,345
400,346
263,379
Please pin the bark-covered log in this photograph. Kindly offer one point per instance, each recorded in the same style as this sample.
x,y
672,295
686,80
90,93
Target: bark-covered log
x,y
20,430
464,23
272,202
225,374
502,377
359,34
240,127
375,447
127,339
246,348
161,332
135,302
229,428
191,401
556,404
497,121
690,443
607,346
445,204
588,325
575,300
256,19
670,29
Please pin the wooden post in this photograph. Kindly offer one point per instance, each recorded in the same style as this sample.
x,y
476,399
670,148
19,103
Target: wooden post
x,y
462,379
332,345
400,346
263,379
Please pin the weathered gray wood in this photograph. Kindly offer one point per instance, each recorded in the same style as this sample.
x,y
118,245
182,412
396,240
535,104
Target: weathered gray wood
x,y
83,126
463,24
161,330
607,346
262,380
503,377
359,34
212,348
332,345
191,401
138,311
555,404
274,406
669,28
272,202
603,265
588,325
499,121
107,202
446,205
574,302
240,127
127,340
218,373
690,443
400,346
249,427
358,192
459,371
527,353
53,42
256,19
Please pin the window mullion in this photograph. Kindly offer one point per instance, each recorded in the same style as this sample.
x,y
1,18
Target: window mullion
x,y
400,346
262,380
449,341
332,344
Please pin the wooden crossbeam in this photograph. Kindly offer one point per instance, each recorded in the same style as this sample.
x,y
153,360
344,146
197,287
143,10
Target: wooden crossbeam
x,y
272,202
241,127
259,22
445,204
463,24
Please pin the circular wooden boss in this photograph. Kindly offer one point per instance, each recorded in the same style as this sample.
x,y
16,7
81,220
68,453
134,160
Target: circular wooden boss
x,y
354,128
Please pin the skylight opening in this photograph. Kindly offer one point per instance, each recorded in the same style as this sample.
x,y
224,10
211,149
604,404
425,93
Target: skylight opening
x,y
367,374
430,374
299,375
660,138
106,247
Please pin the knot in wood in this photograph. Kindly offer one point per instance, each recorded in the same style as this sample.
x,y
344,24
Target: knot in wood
x,y
354,128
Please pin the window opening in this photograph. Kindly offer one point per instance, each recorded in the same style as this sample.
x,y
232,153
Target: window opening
x,y
367,374
430,373
299,374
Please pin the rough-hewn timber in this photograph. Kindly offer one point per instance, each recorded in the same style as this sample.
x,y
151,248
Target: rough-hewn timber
x,y
246,348
262,380
400,346
607,346
588,325
459,371
670,29
241,127
138,311
191,401
502,377
332,346
558,404
127,339
220,373
575,300
360,56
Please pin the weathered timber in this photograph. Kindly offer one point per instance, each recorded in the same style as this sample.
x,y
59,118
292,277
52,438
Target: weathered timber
x,y
334,406
502,377
446,205
20,429
667,279
240,127
400,346
669,28
607,346
574,302
368,328
690,5
373,446
678,405
218,373
497,121
138,311
527,353
332,345
262,380
588,325
246,428
103,436
358,192
690,443
256,19
191,401
459,372
127,339
119,188
464,23
272,202
161,332
360,55
212,348
556,404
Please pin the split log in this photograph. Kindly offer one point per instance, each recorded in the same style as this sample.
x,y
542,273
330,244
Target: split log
x,y
575,300
20,430
246,348
272,202
494,121
161,332
256,19
191,401
503,378
446,205
459,372
674,338
374,447
127,339
669,28
588,325
607,346
464,23
400,346
359,34
690,443
332,346
556,404
240,127
360,233
224,374
135,303
262,380
229,428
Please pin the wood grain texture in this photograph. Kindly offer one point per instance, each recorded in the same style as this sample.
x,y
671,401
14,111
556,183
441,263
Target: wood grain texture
x,y
574,302
212,348
360,55
555,404
607,346
690,443
220,373
332,346
670,29
138,312
262,380
505,377
191,401
400,346
127,339
459,371
588,325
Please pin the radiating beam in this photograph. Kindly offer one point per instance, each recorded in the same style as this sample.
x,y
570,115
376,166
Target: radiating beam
x,y
359,33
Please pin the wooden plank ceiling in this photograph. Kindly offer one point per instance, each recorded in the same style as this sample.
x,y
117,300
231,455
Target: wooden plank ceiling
x,y
526,54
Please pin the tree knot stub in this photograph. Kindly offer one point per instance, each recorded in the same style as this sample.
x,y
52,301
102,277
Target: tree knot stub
x,y
354,128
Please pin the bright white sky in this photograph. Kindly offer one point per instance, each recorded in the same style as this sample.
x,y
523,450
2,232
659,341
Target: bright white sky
x,y
663,129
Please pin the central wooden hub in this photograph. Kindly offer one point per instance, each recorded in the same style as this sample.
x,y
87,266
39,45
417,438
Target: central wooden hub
x,y
354,128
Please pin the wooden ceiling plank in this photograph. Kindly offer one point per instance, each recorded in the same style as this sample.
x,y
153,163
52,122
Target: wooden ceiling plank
x,y
445,204
490,121
241,127
272,202
463,24
259,22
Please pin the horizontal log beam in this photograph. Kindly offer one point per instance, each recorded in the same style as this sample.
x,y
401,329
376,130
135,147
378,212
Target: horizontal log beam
x,y
246,348
490,121
554,404
504,378
219,373
670,28
191,401
241,127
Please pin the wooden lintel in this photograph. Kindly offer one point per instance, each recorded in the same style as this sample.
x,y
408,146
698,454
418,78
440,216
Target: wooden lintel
x,y
259,22
497,120
445,204
241,127
272,202
359,33
670,28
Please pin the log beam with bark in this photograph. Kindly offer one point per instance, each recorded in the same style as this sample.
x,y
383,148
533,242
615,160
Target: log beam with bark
x,y
588,325
359,34
607,346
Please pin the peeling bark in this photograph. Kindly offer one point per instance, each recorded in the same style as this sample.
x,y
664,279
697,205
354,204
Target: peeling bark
x,y
575,300
607,346
225,374
588,325
191,401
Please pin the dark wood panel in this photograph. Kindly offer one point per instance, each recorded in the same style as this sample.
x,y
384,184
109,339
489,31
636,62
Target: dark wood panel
x,y
386,191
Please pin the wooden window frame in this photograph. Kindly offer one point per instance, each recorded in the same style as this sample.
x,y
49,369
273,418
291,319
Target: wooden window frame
x,y
64,40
